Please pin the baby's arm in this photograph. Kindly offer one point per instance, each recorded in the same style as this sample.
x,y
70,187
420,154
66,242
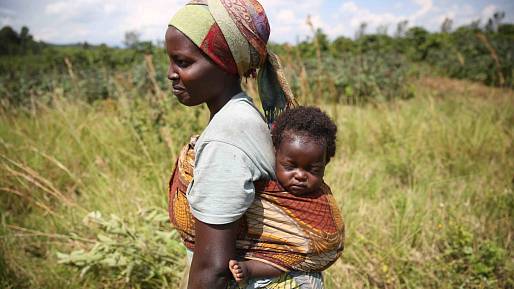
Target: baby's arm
x,y
244,270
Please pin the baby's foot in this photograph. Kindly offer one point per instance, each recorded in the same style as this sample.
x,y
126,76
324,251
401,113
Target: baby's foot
x,y
239,270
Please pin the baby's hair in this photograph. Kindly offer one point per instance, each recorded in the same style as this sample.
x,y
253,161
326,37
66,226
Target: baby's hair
x,y
308,121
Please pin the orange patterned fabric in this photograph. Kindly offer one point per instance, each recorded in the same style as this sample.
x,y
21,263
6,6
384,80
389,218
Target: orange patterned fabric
x,y
289,232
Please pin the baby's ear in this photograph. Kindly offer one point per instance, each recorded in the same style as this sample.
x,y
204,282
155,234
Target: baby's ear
x,y
327,158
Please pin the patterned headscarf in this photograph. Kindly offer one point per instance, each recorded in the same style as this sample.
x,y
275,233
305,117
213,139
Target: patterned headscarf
x,y
234,34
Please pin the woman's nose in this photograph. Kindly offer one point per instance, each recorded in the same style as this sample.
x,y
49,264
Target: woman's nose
x,y
172,75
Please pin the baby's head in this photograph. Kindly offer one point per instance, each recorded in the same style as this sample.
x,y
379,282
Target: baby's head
x,y
304,140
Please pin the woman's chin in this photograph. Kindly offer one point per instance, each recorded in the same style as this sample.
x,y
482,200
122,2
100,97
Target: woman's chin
x,y
186,100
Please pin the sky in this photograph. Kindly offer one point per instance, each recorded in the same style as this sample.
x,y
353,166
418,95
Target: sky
x,y
106,21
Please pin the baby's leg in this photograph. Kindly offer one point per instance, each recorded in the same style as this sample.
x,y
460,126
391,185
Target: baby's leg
x,y
243,270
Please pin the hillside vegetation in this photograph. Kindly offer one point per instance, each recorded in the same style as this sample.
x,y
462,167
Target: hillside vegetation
x,y
423,171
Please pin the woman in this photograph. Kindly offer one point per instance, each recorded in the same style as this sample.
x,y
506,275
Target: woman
x,y
211,45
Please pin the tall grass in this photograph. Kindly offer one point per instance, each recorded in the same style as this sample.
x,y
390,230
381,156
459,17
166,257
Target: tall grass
x,y
62,160
426,189
425,184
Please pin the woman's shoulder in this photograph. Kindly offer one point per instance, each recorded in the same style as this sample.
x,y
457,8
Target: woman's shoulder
x,y
240,125
242,111
239,119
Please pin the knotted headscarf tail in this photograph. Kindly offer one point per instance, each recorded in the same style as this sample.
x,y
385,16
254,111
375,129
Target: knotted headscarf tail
x,y
234,34
274,91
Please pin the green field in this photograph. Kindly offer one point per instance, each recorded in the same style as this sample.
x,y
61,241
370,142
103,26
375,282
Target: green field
x,y
425,186
424,169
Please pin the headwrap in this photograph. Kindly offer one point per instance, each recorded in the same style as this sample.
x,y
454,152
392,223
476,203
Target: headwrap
x,y
234,34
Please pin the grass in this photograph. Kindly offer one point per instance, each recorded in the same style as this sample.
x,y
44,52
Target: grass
x,y
425,185
412,175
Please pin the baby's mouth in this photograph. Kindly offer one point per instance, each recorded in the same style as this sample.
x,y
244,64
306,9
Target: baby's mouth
x,y
297,187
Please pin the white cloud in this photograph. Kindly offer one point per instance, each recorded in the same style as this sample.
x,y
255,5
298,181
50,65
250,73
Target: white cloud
x,y
286,16
106,21
488,11
6,16
4,20
426,14
425,7
459,14
56,8
7,12
357,15
349,7
97,21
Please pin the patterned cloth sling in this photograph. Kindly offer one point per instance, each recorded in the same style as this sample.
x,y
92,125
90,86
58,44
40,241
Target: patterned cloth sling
x,y
288,232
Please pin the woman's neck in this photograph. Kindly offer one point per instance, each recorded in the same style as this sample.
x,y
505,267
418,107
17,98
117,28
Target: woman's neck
x,y
217,103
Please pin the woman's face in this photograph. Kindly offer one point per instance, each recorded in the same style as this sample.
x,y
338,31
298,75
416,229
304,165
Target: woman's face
x,y
195,78
300,164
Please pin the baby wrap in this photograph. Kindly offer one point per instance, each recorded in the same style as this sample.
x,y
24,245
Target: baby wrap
x,y
289,232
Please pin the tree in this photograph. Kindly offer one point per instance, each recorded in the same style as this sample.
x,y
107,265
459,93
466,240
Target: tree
x,y
26,40
131,39
13,43
475,24
494,22
506,30
446,26
9,41
361,31
382,29
342,45
401,27
417,39
322,39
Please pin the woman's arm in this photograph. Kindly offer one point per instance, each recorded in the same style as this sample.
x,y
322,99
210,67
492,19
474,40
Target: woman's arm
x,y
215,245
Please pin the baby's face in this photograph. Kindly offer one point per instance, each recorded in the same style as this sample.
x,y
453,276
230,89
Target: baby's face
x,y
300,164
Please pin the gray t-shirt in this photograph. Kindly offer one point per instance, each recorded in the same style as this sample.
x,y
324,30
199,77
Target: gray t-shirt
x,y
232,152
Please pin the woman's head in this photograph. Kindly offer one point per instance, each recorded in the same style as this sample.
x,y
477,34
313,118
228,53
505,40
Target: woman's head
x,y
304,140
233,35
196,79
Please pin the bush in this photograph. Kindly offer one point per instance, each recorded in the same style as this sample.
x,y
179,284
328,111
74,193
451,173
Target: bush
x,y
146,255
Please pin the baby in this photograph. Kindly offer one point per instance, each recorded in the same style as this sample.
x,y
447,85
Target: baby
x,y
304,140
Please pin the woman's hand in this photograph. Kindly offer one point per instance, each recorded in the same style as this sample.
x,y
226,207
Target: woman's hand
x,y
215,245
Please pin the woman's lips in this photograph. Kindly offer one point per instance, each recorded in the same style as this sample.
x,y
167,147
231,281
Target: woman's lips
x,y
178,90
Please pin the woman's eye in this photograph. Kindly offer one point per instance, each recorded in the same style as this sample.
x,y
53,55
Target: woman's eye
x,y
181,63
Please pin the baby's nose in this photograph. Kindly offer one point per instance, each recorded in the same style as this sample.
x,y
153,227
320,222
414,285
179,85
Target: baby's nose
x,y
301,175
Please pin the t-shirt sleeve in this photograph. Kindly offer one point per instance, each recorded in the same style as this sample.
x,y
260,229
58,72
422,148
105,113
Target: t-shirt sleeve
x,y
222,189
